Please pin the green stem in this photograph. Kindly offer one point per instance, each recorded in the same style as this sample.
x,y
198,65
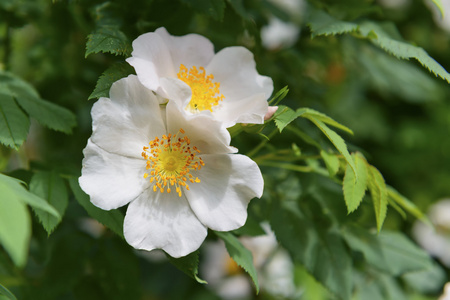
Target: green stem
x,y
262,144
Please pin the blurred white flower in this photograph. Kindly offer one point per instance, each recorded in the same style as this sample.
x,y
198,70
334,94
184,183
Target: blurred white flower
x,y
177,172
436,241
185,69
442,21
278,34
273,265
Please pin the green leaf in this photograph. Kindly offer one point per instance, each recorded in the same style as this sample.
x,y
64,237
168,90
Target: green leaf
x,y
188,264
427,281
14,124
407,205
111,75
108,38
15,224
378,190
320,250
331,162
308,113
46,113
4,291
337,141
51,187
401,49
321,23
212,8
354,190
285,115
387,251
279,96
241,255
29,198
113,219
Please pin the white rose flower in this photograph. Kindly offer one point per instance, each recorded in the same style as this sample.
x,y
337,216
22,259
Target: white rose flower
x,y
185,69
176,171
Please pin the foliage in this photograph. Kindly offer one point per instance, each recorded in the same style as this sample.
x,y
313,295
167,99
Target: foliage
x,y
361,127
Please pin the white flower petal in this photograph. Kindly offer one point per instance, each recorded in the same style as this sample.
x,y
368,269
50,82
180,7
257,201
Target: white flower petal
x,y
177,90
111,180
190,50
205,133
235,69
129,120
151,60
163,221
228,183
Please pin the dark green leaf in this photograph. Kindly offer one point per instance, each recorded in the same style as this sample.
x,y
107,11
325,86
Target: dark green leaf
x,y
108,39
188,264
354,190
241,255
378,190
113,219
321,251
321,23
14,124
213,8
429,281
111,75
4,291
51,187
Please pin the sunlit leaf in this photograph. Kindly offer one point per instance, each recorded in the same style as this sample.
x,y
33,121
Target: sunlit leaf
x,y
331,162
241,255
51,187
283,116
355,189
378,190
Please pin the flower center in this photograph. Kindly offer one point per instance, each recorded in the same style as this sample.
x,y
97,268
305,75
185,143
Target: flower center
x,y
205,92
170,161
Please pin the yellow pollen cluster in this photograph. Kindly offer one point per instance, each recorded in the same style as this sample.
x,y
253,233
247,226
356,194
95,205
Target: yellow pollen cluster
x,y
205,92
170,161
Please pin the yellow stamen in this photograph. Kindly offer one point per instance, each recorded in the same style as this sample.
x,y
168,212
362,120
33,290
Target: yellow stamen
x,y
170,161
205,93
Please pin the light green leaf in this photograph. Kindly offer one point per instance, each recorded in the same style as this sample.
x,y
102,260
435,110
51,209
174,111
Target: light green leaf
x,y
106,39
188,264
14,124
401,49
283,116
378,190
15,224
212,8
279,96
320,250
111,75
51,187
113,219
29,198
407,205
427,281
354,190
241,255
337,141
331,162
4,291
308,112
321,23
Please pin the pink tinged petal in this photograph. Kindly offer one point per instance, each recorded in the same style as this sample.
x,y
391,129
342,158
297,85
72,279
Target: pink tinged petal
x,y
270,112
163,221
129,120
109,179
235,69
227,184
151,59
207,134
190,50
